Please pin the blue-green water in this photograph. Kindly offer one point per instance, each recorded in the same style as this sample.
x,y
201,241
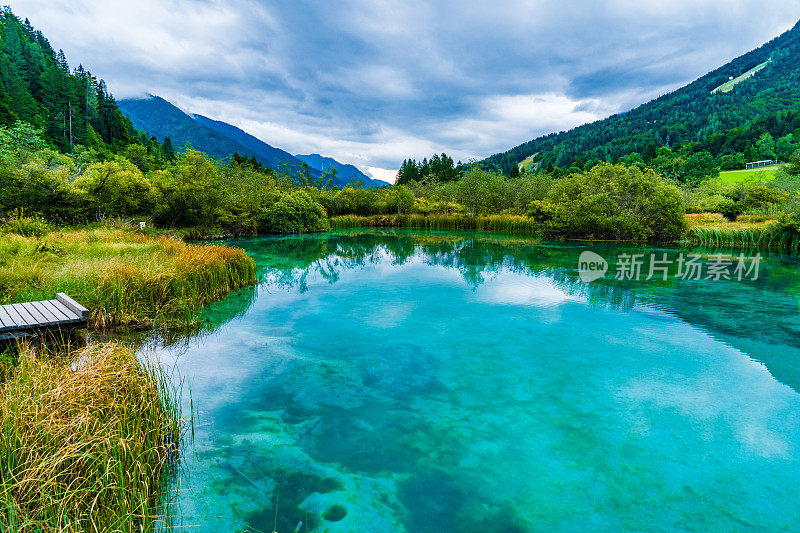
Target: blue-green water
x,y
430,382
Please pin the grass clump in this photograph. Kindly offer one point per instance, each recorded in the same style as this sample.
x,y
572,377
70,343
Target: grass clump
x,y
92,449
714,230
20,224
123,277
508,223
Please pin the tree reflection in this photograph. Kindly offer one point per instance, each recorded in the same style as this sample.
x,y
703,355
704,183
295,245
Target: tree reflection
x,y
733,311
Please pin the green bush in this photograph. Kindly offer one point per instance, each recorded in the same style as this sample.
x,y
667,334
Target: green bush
x,y
614,202
790,220
758,197
717,203
25,226
294,212
541,211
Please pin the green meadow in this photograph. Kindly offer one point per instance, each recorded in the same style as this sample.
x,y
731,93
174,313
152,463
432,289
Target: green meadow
x,y
728,86
755,175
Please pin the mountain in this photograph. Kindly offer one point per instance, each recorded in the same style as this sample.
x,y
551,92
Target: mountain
x,y
68,106
218,139
767,85
160,118
347,173
268,155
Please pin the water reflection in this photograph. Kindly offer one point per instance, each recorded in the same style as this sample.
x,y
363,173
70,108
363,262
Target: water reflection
x,y
737,312
404,381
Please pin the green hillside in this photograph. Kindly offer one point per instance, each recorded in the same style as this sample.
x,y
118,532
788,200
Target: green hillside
x,y
160,118
729,85
690,118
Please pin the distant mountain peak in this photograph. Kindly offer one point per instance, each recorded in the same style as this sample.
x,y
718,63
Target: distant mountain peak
x,y
161,118
348,174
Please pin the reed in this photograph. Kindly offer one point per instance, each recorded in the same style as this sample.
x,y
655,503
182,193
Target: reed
x,y
758,237
507,223
123,277
87,449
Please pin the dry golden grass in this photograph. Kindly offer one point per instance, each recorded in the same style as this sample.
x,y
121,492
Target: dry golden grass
x,y
716,220
712,229
122,276
86,449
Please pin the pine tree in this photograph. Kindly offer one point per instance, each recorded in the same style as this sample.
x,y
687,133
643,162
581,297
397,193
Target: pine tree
x,y
7,115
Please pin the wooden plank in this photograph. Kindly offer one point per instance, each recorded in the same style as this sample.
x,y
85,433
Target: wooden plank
x,y
12,313
49,318
37,316
60,317
59,311
27,319
5,319
67,312
17,319
73,306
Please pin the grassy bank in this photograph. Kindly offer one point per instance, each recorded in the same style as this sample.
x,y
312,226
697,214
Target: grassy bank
x,y
91,449
510,223
122,276
707,229
710,229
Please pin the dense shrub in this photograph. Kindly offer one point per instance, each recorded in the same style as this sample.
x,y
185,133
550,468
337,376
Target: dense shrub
x,y
116,188
612,202
541,211
759,197
294,212
715,203
25,226
189,194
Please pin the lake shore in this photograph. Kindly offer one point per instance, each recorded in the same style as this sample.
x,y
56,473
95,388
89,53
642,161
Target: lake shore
x,y
92,448
91,436
125,277
707,229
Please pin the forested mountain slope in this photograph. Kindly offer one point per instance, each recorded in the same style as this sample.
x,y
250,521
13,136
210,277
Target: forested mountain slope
x,y
275,158
691,114
162,119
37,86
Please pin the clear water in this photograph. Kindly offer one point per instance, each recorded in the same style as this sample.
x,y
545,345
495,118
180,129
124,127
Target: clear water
x,y
430,382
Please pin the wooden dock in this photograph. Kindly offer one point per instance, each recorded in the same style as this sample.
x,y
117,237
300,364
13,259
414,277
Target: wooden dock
x,y
47,316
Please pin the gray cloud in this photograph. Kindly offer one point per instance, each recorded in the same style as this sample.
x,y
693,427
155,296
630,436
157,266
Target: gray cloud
x,y
372,82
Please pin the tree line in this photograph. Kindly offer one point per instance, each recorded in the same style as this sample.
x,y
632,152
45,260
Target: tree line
x,y
69,107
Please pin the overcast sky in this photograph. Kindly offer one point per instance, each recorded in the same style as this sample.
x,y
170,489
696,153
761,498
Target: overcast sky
x,y
372,82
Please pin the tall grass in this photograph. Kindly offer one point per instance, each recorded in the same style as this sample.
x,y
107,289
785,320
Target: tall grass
x,y
762,237
122,276
508,223
86,449
707,229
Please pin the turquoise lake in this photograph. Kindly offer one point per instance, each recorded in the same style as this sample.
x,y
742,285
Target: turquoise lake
x,y
391,381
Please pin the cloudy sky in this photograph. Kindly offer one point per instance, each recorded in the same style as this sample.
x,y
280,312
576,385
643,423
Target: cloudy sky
x,y
372,82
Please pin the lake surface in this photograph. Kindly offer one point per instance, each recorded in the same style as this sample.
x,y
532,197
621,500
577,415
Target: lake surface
x,y
429,382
